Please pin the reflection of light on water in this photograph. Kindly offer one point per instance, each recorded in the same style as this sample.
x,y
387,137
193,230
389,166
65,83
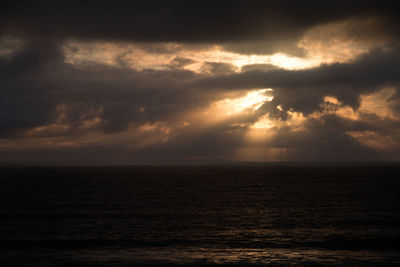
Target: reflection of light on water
x,y
226,255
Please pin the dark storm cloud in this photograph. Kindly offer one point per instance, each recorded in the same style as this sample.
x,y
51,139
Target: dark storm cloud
x,y
35,81
278,22
304,90
326,140
39,88
30,97
22,103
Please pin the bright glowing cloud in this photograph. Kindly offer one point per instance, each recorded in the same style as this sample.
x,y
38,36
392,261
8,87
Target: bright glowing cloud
x,y
252,101
135,57
377,103
343,41
323,44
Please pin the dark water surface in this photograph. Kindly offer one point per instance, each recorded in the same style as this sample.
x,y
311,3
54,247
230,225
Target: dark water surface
x,y
275,215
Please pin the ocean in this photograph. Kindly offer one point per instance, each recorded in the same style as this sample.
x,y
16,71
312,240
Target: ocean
x,y
233,215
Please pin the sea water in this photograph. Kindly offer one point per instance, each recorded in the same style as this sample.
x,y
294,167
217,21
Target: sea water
x,y
255,214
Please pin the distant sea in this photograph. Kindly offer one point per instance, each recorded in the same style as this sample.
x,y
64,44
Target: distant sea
x,y
233,215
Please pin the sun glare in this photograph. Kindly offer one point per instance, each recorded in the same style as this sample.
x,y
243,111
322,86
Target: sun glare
x,y
248,103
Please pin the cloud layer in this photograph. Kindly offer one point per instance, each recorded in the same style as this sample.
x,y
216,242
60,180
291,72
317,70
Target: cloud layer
x,y
137,84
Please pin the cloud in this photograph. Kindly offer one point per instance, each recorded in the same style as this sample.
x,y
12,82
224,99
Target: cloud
x,y
45,97
275,22
303,90
36,82
325,140
128,82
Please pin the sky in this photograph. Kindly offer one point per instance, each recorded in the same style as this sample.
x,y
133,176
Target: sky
x,y
138,82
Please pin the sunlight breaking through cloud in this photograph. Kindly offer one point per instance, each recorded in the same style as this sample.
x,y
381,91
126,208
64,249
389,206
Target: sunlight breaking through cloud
x,y
252,101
